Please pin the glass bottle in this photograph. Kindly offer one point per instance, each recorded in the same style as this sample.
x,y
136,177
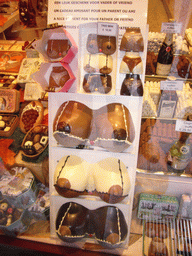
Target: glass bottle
x,y
179,154
27,13
165,56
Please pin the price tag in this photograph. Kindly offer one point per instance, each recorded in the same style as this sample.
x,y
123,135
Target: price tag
x,y
107,29
171,85
171,27
183,126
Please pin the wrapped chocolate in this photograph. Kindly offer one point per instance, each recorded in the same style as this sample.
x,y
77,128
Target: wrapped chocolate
x,y
19,187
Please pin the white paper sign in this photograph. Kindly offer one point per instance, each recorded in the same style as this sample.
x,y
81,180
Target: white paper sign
x,y
171,27
171,85
183,126
107,29
72,13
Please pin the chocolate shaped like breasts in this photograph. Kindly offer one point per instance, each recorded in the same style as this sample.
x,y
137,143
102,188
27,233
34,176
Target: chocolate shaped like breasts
x,y
98,63
109,178
114,127
106,224
101,44
74,121
132,40
58,48
72,124
97,83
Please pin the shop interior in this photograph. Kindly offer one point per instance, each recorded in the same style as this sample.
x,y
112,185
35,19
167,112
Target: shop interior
x,y
32,144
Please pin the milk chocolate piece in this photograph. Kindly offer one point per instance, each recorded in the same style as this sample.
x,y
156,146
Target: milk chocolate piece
x,y
73,120
114,126
101,44
97,83
57,48
107,223
58,77
132,40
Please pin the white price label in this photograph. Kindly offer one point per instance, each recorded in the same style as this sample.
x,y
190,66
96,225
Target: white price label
x,y
171,27
171,85
107,29
183,126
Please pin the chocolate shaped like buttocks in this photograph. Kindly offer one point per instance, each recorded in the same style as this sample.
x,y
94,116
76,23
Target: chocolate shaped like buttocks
x,y
132,40
132,86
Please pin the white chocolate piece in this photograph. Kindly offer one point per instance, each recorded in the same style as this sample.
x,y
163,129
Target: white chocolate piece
x,y
109,172
2,124
7,128
149,108
100,176
96,62
28,143
44,140
75,170
138,69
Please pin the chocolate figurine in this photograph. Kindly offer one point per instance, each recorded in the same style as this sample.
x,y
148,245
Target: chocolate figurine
x,y
106,224
58,77
131,64
57,48
98,63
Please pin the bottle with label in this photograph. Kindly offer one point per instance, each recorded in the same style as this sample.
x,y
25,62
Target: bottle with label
x,y
165,56
179,154
167,104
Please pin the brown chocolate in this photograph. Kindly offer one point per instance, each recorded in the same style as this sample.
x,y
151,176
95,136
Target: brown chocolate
x,y
132,40
114,126
63,183
97,83
131,62
106,223
58,77
57,48
73,118
101,44
65,231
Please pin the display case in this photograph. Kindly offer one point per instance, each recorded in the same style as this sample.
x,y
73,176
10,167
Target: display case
x,y
116,148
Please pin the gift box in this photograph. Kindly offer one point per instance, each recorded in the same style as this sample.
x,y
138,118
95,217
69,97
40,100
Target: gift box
x,y
56,45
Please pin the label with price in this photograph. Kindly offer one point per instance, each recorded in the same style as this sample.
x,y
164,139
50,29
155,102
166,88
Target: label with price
x,y
107,29
171,85
171,27
183,126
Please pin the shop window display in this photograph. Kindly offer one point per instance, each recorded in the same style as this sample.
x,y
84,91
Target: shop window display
x,y
110,89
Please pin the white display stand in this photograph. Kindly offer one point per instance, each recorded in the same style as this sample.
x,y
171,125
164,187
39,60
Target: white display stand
x,y
73,15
